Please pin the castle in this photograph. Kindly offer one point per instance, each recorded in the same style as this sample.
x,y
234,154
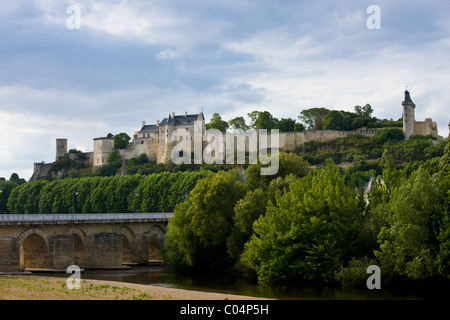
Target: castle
x,y
413,127
155,140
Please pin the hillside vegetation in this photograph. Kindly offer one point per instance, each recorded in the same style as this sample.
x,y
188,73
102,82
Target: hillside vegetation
x,y
303,224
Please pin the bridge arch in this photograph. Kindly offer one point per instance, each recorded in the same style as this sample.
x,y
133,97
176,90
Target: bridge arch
x,y
80,255
128,244
34,250
155,242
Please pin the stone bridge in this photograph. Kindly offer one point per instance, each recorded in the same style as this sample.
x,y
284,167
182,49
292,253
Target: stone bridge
x,y
56,241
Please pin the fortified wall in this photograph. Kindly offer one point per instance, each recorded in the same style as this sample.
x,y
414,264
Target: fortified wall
x,y
155,140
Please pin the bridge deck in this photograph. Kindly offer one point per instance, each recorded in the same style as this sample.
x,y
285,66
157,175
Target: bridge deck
x,y
19,219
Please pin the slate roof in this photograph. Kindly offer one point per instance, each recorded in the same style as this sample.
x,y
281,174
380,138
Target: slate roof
x,y
177,120
149,128
407,97
181,120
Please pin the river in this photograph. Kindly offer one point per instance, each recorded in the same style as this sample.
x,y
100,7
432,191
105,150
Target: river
x,y
247,284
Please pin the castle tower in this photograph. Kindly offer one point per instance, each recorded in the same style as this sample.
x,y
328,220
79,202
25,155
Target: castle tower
x,y
168,144
102,148
408,116
61,147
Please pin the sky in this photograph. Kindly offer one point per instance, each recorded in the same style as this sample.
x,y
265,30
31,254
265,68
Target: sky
x,y
81,70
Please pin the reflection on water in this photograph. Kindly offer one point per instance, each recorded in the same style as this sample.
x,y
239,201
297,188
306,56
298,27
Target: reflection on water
x,y
242,284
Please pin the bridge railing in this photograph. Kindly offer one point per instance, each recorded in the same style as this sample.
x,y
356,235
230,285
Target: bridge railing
x,y
6,219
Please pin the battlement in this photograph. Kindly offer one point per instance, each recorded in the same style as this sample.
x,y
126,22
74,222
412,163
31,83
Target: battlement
x,y
157,140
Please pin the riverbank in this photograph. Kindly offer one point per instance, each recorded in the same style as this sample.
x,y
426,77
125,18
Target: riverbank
x,y
53,288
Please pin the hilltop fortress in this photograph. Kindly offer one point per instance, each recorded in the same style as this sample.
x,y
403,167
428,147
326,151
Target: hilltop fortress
x,y
155,140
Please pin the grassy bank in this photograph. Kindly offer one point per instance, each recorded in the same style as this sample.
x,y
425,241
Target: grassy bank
x,y
48,288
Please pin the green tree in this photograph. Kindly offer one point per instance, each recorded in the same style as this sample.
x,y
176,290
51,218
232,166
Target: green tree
x,y
238,124
98,198
384,136
15,178
6,188
121,140
365,111
289,163
198,231
263,120
408,244
313,117
309,232
217,123
417,148
115,160
336,120
443,258
250,208
24,199
299,127
286,125
247,211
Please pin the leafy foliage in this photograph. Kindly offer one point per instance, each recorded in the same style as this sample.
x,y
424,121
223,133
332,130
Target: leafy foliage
x,y
238,124
6,188
217,123
115,194
308,231
121,140
198,232
408,244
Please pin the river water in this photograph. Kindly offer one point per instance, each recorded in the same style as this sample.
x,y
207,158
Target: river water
x,y
247,284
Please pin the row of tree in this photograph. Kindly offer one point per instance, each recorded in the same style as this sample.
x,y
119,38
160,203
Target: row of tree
x,y
317,225
312,118
115,194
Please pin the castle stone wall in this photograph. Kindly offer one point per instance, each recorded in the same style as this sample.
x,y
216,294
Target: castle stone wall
x,y
426,127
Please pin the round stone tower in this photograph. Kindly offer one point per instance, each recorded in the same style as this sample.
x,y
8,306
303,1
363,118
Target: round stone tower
x,y
408,116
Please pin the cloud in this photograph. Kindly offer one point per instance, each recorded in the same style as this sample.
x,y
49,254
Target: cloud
x,y
166,54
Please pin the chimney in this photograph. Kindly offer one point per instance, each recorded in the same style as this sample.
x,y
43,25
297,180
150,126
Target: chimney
x,y
185,114
143,124
173,114
157,122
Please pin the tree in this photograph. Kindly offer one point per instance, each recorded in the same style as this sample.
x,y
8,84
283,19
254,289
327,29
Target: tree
x,y
217,123
121,140
250,208
115,160
286,125
443,257
308,232
336,120
6,188
299,127
289,163
24,199
247,210
365,111
416,148
408,245
384,136
313,117
15,178
263,120
198,231
238,124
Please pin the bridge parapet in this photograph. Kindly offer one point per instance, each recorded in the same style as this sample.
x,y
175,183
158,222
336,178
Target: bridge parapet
x,y
40,219
55,241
